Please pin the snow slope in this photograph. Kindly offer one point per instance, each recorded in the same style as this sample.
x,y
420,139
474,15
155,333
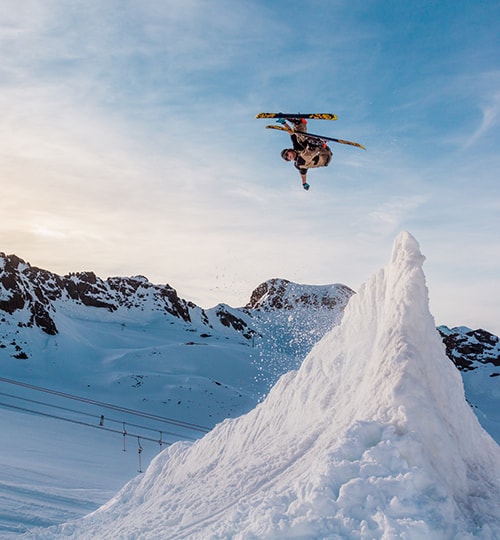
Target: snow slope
x,y
370,438
140,355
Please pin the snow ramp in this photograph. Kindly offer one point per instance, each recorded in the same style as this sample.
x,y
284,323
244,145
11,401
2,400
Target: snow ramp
x,y
371,438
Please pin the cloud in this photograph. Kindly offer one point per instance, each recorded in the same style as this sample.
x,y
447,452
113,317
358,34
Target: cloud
x,y
490,119
387,219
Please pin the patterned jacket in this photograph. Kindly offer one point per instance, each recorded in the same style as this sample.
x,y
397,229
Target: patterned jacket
x,y
310,152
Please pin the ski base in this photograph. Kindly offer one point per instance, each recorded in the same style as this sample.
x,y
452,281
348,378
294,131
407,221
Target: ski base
x,y
312,116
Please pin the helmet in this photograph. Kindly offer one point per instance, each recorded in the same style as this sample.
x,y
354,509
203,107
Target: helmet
x,y
285,152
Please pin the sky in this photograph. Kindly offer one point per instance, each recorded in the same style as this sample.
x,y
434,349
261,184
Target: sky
x,y
129,144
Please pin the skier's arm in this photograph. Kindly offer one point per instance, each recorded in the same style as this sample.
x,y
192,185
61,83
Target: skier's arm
x,y
303,174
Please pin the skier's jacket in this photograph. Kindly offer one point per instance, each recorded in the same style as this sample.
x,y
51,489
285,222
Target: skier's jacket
x,y
310,153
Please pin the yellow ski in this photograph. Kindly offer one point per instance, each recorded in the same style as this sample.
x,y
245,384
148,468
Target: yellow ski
x,y
312,116
314,136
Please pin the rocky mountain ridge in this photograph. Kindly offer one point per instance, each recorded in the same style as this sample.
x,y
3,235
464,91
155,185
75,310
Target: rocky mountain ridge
x,y
28,289
31,297
469,349
281,294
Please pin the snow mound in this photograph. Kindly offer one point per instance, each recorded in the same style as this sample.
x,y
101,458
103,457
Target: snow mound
x,y
370,438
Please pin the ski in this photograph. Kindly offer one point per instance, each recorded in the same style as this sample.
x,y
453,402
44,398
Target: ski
x,y
282,128
314,136
312,116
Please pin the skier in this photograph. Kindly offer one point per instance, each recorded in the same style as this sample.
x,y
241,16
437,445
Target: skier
x,y
306,153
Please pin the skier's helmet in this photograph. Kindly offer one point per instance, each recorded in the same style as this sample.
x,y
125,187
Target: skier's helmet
x,y
284,153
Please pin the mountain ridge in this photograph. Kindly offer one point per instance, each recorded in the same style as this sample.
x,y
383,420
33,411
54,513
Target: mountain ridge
x,y
35,295
42,313
29,288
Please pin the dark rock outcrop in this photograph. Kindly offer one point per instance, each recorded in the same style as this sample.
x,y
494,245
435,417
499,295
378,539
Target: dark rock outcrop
x,y
466,347
36,291
281,294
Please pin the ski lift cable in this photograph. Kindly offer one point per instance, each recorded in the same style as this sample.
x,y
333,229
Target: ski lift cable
x,y
90,415
173,421
80,422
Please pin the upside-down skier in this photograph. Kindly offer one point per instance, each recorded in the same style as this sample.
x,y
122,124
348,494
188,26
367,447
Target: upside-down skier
x,y
309,150
307,153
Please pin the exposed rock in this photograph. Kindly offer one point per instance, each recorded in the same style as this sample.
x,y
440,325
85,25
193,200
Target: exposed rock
x,y
280,293
23,287
466,347
229,320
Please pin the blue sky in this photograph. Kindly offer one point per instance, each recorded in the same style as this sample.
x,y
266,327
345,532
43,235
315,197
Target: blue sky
x,y
129,145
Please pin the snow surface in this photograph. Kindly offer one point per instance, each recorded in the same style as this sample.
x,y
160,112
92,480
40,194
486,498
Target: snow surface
x,y
137,357
370,438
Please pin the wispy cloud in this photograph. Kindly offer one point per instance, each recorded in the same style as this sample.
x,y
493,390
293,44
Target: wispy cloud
x,y
390,216
490,118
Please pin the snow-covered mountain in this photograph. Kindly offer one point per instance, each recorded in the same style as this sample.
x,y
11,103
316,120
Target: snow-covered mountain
x,y
35,296
370,438
477,355
142,346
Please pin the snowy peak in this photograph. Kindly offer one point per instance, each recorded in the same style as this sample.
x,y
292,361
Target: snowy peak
x,y
391,311
385,346
406,252
282,294
30,290
399,375
36,293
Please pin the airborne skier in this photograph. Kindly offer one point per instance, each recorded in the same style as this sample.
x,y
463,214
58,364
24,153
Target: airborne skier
x,y
306,153
309,150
